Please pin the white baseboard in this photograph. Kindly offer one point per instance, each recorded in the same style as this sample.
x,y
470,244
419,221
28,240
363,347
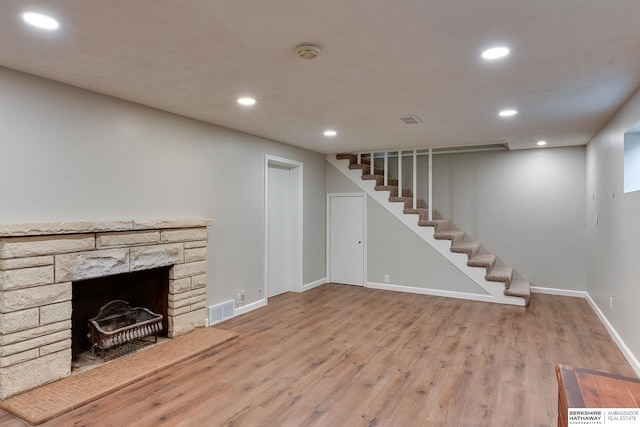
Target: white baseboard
x,y
626,352
314,284
433,292
617,339
556,291
263,302
249,307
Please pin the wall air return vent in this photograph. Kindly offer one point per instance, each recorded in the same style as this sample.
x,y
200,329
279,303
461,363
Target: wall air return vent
x,y
411,120
220,312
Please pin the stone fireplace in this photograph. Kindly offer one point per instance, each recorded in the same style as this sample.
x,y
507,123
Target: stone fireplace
x,y
40,262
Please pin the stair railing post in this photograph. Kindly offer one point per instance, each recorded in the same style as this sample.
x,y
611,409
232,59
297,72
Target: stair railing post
x,y
372,163
359,158
386,168
430,184
415,179
400,173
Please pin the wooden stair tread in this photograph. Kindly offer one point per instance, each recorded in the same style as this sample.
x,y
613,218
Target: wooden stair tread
x,y
418,211
448,234
500,274
364,168
438,223
346,156
519,288
482,260
397,199
409,200
411,211
420,204
387,187
470,248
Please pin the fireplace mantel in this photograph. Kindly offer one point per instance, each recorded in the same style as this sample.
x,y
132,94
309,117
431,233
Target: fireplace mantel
x,y
39,262
77,227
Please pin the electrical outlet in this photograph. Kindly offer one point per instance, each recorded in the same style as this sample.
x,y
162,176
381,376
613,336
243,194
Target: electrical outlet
x,y
386,278
241,297
611,303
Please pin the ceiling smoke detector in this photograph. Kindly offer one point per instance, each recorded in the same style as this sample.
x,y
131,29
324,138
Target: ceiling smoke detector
x,y
308,50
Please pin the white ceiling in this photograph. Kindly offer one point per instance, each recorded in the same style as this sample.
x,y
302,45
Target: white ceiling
x,y
573,64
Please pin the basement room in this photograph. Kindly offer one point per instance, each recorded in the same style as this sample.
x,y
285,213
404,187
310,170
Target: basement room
x,y
295,213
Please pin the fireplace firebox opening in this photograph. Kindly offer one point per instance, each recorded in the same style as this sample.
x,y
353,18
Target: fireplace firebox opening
x,y
147,289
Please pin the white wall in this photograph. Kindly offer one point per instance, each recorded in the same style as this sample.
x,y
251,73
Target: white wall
x,y
525,206
613,269
68,154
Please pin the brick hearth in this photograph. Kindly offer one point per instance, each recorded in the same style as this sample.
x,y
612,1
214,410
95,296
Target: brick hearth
x,y
39,262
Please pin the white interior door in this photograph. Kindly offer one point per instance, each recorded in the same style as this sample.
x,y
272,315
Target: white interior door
x,y
346,239
278,231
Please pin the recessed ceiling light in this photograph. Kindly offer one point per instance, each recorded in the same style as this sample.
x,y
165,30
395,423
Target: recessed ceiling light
x,y
495,53
330,133
542,142
246,101
507,113
41,21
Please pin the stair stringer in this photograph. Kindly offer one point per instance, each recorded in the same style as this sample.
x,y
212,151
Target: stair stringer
x,y
495,290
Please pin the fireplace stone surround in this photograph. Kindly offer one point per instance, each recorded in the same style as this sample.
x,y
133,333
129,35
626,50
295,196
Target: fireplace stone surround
x,y
39,262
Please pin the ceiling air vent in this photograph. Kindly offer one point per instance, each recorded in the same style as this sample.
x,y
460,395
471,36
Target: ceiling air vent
x,y
411,120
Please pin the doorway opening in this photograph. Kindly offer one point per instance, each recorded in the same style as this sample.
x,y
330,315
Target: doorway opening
x,y
283,226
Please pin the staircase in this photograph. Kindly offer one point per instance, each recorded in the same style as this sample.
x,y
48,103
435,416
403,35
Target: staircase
x,y
481,266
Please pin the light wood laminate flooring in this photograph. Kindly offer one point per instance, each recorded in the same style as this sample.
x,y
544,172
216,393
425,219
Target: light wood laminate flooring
x,y
341,355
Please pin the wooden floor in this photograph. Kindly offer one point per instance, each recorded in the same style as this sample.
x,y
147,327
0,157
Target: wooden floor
x,y
346,356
